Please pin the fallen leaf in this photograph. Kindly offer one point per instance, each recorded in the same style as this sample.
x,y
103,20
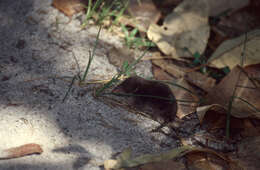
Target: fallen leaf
x,y
117,56
220,6
148,161
169,67
230,51
200,80
202,110
144,159
235,23
187,100
163,165
214,117
250,129
159,74
69,7
185,28
253,71
21,151
248,154
205,161
245,102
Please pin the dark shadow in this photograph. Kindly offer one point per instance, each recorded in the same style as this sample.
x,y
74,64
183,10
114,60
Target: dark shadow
x,y
83,157
39,166
18,54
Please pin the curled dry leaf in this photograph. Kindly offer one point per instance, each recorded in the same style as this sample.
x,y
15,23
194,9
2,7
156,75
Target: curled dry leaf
x,y
69,7
214,117
151,97
245,101
186,27
202,110
207,160
21,151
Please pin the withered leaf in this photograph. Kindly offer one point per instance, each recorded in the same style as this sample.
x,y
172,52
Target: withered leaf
x,y
246,98
69,7
21,151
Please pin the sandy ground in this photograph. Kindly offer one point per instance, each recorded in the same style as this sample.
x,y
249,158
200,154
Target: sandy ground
x,y
80,133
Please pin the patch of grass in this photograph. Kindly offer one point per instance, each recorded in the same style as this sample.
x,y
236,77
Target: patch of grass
x,y
231,100
90,11
132,41
200,60
104,9
125,71
79,77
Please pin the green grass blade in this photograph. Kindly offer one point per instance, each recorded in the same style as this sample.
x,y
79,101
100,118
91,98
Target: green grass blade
x,y
91,55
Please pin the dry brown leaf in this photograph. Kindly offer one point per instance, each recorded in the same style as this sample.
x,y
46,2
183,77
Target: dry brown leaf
x,y
214,117
246,101
169,67
205,161
250,129
220,6
69,7
186,98
200,80
186,27
117,56
216,120
21,151
159,74
176,68
253,71
202,110
230,51
248,154
238,22
163,165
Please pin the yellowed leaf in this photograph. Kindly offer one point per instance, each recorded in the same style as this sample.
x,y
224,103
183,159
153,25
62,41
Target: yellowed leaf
x,y
185,28
229,52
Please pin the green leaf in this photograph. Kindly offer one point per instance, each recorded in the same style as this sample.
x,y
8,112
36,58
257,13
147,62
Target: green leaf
x,y
197,55
133,32
226,70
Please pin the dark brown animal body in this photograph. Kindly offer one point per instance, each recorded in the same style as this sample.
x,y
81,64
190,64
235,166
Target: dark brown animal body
x,y
151,97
